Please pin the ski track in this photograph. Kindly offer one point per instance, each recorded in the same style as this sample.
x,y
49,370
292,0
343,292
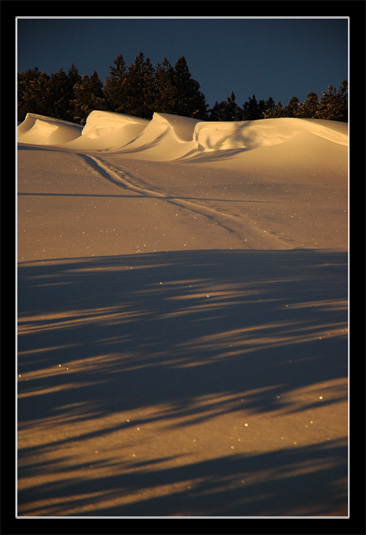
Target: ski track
x,y
233,224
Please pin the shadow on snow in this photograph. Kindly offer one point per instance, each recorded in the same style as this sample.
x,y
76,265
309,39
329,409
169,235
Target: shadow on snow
x,y
165,329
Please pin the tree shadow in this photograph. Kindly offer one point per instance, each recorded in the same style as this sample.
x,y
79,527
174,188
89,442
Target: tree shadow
x,y
291,483
242,329
201,155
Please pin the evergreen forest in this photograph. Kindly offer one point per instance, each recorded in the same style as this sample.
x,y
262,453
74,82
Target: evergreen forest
x,y
140,89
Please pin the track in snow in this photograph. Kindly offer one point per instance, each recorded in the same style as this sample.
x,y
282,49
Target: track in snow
x,y
235,225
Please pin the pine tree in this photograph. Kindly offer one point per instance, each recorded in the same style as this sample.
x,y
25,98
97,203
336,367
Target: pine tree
x,y
333,105
292,108
73,75
269,107
214,113
166,91
60,93
234,111
308,109
343,98
88,97
272,110
24,78
74,79
139,90
113,85
252,109
189,100
177,92
33,95
226,110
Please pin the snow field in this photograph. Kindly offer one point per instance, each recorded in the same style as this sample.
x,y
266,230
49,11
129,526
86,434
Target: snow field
x,y
182,309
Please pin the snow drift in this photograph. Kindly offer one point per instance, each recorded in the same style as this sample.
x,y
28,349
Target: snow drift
x,y
41,130
274,183
168,137
106,130
182,304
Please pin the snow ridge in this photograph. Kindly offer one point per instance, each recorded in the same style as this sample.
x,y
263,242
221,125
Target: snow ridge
x,y
169,137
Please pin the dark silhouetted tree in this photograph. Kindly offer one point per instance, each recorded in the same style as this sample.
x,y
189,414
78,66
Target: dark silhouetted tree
x,y
252,109
74,79
60,93
215,111
226,110
272,110
73,75
47,95
292,108
177,92
308,109
139,92
343,100
333,105
189,100
114,92
32,93
166,90
88,97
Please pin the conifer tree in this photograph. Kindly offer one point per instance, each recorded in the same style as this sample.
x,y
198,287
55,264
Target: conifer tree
x,y
333,104
272,110
234,111
189,100
139,90
177,92
343,100
113,85
226,110
73,75
215,111
74,79
166,91
252,109
308,109
60,93
292,108
88,97
269,107
24,79
33,96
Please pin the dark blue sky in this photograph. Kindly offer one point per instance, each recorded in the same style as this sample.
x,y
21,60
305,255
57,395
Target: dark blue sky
x,y
266,57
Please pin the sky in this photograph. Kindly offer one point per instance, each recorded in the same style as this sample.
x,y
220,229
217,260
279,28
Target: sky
x,y
264,57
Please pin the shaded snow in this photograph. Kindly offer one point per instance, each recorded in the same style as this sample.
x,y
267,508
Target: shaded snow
x,y
167,136
182,307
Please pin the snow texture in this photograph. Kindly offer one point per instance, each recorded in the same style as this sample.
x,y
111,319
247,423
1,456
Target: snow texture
x,y
182,317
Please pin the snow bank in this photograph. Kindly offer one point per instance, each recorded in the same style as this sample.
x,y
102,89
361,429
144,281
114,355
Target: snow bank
x,y
41,130
168,137
263,133
107,130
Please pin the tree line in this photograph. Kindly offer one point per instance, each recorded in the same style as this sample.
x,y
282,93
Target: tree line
x,y
140,89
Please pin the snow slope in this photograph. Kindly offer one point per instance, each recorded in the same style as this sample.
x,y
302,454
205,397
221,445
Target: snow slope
x,y
288,176
182,317
168,137
41,130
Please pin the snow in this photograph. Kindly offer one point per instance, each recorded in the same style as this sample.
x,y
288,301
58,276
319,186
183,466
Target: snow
x,y
41,130
167,136
182,317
